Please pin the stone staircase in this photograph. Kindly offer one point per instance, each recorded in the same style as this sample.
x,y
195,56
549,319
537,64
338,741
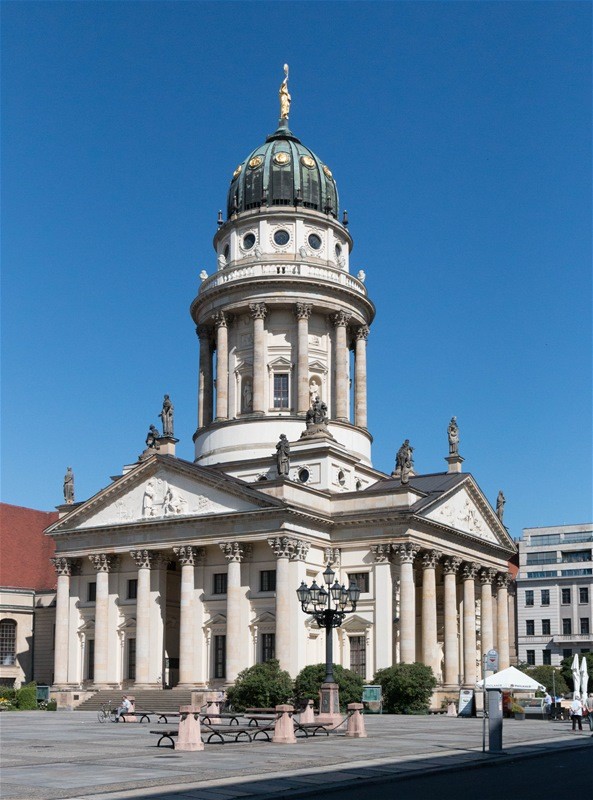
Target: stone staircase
x,y
146,700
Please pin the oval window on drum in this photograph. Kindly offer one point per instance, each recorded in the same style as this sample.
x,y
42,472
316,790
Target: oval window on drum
x,y
314,241
248,241
281,237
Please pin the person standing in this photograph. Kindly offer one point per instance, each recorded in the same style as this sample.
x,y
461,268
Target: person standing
x,y
576,712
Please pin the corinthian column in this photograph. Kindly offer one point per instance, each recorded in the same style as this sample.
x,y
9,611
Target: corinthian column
x,y
360,377
64,568
450,567
429,610
502,606
258,312
486,578
222,366
234,553
145,560
340,321
188,557
303,312
103,564
469,623
285,549
384,608
205,377
407,554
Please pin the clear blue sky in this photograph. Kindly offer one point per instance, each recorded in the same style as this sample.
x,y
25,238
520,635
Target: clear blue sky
x,y
460,137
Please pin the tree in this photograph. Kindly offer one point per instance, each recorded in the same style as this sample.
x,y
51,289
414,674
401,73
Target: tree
x,y
308,683
566,670
406,687
550,677
261,686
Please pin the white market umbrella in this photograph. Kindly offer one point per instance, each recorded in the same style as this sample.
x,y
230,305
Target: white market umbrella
x,y
576,675
512,679
584,678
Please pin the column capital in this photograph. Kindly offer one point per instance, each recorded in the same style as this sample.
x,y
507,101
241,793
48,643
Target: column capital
x,y
503,580
104,562
222,319
381,553
188,554
66,566
340,319
332,555
470,570
303,310
430,558
407,552
451,564
235,551
258,310
146,559
487,575
289,547
362,332
203,331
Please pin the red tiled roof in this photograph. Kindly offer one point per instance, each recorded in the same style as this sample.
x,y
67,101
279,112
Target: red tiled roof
x,y
24,550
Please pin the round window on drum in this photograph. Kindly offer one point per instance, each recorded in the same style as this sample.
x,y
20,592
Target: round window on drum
x,y
314,241
281,237
248,241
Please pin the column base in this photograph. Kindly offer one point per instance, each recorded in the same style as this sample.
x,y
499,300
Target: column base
x,y
146,686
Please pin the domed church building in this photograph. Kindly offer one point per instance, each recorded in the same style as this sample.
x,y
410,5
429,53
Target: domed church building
x,y
181,574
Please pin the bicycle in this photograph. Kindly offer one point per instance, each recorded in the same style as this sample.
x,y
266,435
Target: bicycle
x,y
107,712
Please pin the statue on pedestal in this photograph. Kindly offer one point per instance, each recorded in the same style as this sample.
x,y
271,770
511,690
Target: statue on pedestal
x,y
404,462
283,456
284,96
316,419
500,501
166,416
152,438
453,434
69,486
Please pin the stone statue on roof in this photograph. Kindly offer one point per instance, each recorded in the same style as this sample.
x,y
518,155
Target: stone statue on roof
x,y
284,95
453,434
166,416
69,486
500,501
283,456
404,462
152,438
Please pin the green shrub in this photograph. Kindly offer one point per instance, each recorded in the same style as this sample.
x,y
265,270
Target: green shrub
x,y
7,693
543,674
261,686
51,705
26,697
309,680
407,688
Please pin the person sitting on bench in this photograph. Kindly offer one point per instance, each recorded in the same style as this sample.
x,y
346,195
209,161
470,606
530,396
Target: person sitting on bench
x,y
125,708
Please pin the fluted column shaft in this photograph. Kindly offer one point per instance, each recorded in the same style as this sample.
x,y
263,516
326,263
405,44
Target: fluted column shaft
x,y
486,578
286,549
503,622
144,560
341,374
383,609
187,558
429,610
234,553
360,377
407,553
103,564
258,312
205,378
469,623
64,570
222,367
451,634
303,313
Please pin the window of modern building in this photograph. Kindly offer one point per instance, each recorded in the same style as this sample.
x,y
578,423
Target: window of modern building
x,y
220,656
546,656
7,642
132,589
361,579
530,627
566,597
91,592
584,624
268,646
567,653
545,597
131,659
530,655
566,626
546,627
281,390
358,655
544,557
576,555
529,597
583,594
219,583
267,580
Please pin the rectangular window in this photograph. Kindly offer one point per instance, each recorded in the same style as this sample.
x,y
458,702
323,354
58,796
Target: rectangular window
x,y
529,597
358,655
281,391
566,626
584,624
361,579
546,656
530,627
567,653
133,589
531,658
7,642
548,557
219,583
91,592
545,597
566,597
131,659
546,627
583,594
268,646
90,659
220,656
576,555
267,580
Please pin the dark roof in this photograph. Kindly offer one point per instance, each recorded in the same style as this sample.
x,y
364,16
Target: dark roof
x,y
435,483
26,551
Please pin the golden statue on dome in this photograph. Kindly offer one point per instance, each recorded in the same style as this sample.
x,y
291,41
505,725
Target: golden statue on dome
x,y
284,95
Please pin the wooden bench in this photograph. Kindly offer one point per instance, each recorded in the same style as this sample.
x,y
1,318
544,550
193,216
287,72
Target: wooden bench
x,y
311,728
166,735
222,733
137,716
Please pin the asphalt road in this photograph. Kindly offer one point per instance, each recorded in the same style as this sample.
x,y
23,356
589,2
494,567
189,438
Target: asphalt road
x,y
563,774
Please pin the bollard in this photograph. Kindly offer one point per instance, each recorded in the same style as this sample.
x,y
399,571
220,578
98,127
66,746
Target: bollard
x,y
284,726
307,714
213,705
356,721
190,736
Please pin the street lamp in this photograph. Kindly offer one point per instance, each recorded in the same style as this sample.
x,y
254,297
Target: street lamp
x,y
317,601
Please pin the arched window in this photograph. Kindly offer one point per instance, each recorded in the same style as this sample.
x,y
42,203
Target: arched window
x,y
7,642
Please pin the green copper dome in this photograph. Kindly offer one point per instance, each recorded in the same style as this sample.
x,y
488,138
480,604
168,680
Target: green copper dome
x,y
282,172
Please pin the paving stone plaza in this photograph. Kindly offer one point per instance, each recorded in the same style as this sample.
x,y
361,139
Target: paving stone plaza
x,y
70,755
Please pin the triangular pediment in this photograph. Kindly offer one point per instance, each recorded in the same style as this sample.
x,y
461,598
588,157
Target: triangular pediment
x,y
355,622
163,490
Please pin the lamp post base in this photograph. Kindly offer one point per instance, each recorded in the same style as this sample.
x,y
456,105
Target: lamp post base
x,y
329,704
